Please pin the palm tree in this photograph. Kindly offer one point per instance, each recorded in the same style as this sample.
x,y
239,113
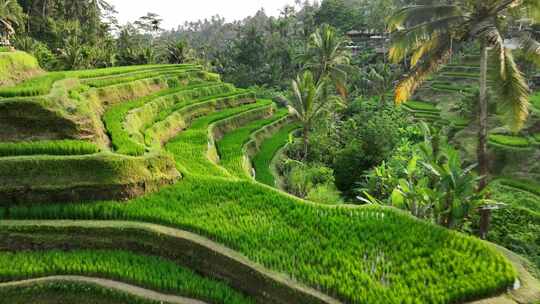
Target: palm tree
x,y
178,52
11,14
327,57
307,103
429,33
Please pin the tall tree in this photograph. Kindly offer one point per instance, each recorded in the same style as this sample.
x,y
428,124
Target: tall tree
x,y
326,56
178,52
307,102
11,15
150,23
428,33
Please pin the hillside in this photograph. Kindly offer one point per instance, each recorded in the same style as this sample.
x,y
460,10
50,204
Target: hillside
x,y
143,176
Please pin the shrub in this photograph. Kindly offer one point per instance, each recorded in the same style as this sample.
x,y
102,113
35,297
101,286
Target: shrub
x,y
325,194
302,178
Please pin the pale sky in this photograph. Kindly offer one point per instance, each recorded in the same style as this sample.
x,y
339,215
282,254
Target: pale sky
x,y
176,12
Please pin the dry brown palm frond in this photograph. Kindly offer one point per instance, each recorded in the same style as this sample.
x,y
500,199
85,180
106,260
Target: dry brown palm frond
x,y
430,63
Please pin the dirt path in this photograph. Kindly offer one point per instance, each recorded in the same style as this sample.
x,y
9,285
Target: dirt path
x,y
109,284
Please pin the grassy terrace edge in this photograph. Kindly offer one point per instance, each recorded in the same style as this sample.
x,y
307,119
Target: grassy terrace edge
x,y
264,160
140,270
182,247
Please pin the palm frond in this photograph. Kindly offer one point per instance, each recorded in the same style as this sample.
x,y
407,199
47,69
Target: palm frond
x,y
533,8
425,48
431,63
512,89
531,47
410,39
416,14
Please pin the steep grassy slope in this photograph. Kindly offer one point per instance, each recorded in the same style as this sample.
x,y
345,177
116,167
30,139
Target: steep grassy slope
x,y
15,67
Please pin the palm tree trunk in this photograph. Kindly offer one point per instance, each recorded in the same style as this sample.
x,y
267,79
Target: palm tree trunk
x,y
483,162
306,140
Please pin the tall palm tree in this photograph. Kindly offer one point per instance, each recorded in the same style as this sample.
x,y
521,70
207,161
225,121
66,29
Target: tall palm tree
x,y
307,103
11,14
178,52
327,57
428,34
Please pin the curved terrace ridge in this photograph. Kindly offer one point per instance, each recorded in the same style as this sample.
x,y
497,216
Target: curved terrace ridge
x,y
108,284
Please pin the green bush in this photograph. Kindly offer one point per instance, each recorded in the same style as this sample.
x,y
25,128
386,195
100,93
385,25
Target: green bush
x,y
60,147
301,179
148,271
325,194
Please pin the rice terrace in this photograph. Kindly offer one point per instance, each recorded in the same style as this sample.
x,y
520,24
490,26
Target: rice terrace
x,y
341,151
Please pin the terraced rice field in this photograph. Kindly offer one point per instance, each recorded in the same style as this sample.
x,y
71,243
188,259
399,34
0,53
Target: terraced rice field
x,y
509,141
211,232
423,111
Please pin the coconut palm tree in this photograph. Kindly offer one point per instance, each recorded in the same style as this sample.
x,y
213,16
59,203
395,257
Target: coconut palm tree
x,y
327,57
307,103
11,14
428,34
178,52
